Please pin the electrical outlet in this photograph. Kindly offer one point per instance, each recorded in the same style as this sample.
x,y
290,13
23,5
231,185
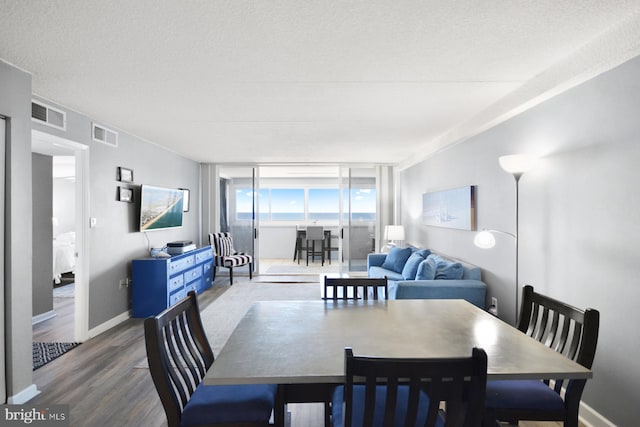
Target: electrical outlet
x,y
494,306
124,283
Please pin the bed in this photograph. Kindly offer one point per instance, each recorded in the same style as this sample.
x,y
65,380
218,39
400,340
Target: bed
x,y
64,255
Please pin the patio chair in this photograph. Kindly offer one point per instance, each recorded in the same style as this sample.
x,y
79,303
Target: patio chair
x,y
569,331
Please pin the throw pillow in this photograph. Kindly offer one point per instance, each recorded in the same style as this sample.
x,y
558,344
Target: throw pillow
x,y
411,266
426,269
396,258
446,270
424,253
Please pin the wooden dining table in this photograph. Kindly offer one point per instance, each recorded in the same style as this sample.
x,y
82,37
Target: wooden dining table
x,y
300,344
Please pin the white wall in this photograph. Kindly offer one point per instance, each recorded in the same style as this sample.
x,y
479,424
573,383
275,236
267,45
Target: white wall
x,y
579,229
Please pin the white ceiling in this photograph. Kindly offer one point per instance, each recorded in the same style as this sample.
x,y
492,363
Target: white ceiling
x,y
295,81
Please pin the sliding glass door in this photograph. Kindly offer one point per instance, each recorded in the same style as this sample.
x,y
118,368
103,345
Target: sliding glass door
x,y
238,210
358,216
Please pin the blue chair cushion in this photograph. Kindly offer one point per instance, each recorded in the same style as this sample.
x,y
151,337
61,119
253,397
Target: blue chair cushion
x,y
522,394
358,407
229,404
411,266
396,258
426,269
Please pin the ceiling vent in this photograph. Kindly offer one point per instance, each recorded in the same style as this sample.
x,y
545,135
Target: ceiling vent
x,y
48,115
104,135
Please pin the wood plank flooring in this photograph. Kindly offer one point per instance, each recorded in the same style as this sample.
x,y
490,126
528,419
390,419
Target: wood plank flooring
x,y
102,386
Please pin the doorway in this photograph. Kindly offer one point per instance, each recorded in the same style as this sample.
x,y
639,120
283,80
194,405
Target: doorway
x,y
69,229
270,206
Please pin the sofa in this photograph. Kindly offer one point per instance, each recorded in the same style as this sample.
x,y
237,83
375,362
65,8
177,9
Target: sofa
x,y
414,273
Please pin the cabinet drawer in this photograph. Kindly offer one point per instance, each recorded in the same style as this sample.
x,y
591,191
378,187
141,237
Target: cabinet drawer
x,y
181,264
202,256
176,282
177,296
192,274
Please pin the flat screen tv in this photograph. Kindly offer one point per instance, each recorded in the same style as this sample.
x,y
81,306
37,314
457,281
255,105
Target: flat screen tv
x,y
160,208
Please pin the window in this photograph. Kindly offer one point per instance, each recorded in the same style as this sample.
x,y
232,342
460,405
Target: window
x,y
362,202
324,204
287,204
244,204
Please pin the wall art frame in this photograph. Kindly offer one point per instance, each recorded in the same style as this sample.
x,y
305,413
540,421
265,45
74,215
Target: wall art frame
x,y
454,208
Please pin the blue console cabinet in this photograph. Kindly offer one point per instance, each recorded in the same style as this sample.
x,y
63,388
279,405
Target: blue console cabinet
x,y
159,283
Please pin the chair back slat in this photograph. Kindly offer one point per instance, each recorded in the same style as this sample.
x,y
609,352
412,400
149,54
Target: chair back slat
x,y
179,354
458,383
353,288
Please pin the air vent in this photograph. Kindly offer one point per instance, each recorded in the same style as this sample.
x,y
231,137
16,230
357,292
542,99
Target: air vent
x,y
104,135
48,115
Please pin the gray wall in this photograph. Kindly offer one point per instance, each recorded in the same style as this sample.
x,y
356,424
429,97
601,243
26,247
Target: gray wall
x,y
42,233
579,231
15,104
115,241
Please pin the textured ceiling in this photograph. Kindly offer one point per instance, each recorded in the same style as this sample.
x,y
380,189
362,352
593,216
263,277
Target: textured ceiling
x,y
294,81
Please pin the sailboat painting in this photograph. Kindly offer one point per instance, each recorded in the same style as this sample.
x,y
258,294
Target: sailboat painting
x,y
454,208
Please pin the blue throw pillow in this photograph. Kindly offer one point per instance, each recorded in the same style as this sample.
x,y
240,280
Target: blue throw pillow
x,y
411,266
427,269
396,258
446,270
424,253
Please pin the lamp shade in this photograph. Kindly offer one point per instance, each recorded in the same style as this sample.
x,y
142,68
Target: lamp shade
x,y
484,240
394,232
517,163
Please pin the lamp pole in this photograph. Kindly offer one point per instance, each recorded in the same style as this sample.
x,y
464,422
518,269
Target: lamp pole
x,y
517,178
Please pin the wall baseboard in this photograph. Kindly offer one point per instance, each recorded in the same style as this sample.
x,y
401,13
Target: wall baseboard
x,y
24,396
43,316
109,324
591,418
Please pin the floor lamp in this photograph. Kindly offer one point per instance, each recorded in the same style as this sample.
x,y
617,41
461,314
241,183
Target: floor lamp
x,y
516,165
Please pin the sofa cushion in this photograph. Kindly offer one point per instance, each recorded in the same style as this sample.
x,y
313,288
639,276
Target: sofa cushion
x,y
396,258
424,253
427,269
446,270
411,266
381,273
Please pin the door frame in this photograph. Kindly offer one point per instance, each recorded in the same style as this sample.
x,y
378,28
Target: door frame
x,y
81,153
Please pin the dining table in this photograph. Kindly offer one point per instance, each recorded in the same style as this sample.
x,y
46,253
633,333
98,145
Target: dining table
x,y
299,345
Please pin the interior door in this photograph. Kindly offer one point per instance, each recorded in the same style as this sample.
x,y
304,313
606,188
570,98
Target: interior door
x,y
3,385
358,218
238,207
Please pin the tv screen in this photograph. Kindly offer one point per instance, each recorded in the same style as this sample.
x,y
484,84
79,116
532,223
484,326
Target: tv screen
x,y
160,208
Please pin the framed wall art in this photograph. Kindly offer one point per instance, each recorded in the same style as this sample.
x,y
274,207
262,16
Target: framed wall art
x,y
125,175
454,208
125,194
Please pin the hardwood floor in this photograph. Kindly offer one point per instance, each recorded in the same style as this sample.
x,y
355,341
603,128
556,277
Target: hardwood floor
x,y
101,384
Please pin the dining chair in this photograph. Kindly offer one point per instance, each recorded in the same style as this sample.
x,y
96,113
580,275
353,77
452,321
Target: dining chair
x,y
566,329
315,233
224,254
343,288
179,355
411,392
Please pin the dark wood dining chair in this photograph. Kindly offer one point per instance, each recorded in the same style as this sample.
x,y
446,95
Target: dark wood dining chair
x,y
350,288
566,329
179,355
411,392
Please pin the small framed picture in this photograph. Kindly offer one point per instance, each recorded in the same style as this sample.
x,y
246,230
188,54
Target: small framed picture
x,y
185,199
125,175
125,194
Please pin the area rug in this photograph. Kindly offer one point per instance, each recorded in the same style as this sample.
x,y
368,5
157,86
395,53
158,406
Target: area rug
x,y
282,278
66,291
45,352
223,314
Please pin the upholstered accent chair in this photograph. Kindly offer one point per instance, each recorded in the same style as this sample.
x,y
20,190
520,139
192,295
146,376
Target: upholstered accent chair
x,y
224,255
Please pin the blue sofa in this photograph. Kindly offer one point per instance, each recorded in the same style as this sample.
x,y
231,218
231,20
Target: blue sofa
x,y
406,278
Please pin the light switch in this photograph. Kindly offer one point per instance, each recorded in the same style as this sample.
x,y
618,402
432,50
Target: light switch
x,y
93,222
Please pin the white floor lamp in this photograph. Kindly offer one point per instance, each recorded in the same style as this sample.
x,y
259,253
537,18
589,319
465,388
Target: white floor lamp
x,y
517,165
